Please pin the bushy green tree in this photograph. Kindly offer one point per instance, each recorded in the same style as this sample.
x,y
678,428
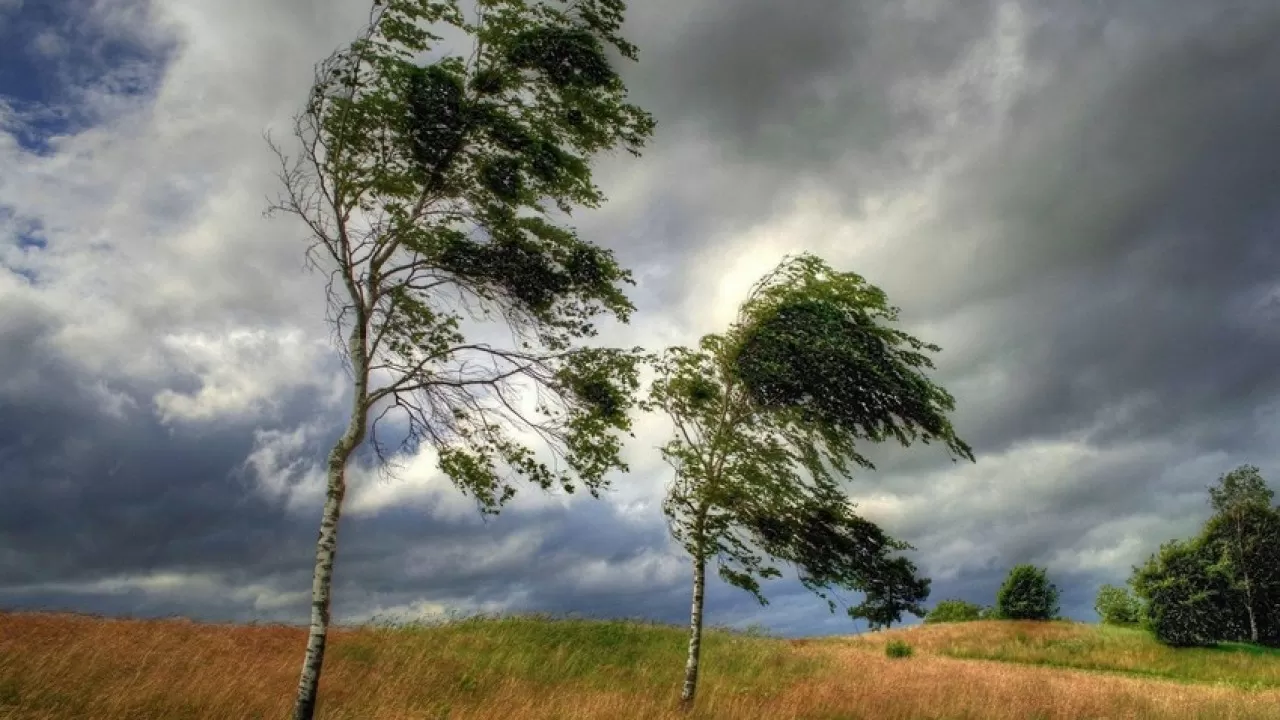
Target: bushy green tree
x,y
1027,594
890,592
428,193
952,611
1187,604
768,418
1117,606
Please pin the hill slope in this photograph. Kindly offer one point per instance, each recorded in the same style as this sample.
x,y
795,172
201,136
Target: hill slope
x,y
64,666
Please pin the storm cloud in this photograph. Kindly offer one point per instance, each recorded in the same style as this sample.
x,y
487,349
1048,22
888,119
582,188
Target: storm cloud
x,y
1077,200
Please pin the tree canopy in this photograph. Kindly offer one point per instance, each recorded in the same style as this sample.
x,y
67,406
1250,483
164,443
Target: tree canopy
x,y
1027,594
1117,606
429,192
953,610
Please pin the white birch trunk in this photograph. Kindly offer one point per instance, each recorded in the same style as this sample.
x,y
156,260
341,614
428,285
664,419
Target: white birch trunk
x,y
1253,621
327,543
1248,587
695,633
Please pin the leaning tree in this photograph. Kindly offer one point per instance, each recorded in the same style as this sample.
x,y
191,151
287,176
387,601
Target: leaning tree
x,y
768,418
428,189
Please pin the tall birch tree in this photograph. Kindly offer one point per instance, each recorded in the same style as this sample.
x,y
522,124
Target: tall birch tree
x,y
427,188
768,418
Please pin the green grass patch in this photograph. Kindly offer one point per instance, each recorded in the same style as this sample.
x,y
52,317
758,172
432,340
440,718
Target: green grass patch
x,y
898,649
598,654
1128,651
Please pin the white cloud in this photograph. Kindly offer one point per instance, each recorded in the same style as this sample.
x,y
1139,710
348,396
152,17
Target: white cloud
x,y
427,611
246,373
648,570
285,468
191,586
49,45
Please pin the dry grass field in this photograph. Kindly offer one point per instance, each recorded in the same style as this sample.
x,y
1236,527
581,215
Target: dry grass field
x,y
66,666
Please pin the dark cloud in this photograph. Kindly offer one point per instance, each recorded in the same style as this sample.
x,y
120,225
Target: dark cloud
x,y
803,84
101,508
1132,242
755,100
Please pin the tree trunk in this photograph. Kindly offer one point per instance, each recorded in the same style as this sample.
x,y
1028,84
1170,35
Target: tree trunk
x,y
304,707
1248,587
695,633
1253,620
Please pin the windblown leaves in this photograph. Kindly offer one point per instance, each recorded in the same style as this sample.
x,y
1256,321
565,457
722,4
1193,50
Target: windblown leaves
x,y
818,345
429,187
769,417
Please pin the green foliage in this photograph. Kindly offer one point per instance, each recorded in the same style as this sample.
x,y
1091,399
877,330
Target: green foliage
x,y
898,649
1241,488
953,611
1027,594
893,590
758,469
1117,606
818,347
428,189
1186,604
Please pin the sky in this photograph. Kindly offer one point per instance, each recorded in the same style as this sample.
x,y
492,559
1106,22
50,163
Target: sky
x,y
1078,200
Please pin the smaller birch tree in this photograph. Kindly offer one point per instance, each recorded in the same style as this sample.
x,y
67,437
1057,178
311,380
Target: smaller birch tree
x,y
1241,502
768,417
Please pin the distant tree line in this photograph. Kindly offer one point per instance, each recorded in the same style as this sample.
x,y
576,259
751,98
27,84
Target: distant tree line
x,y
1025,594
1223,584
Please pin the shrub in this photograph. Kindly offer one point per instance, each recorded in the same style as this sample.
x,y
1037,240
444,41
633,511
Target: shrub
x,y
948,611
898,649
1027,594
1117,606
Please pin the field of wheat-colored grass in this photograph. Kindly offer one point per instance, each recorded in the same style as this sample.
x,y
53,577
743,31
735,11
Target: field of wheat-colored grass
x,y
66,666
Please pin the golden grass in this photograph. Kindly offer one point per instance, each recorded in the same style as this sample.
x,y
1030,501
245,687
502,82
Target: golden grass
x,y
63,666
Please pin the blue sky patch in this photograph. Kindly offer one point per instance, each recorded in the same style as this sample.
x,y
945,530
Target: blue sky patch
x,y
32,238
52,52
